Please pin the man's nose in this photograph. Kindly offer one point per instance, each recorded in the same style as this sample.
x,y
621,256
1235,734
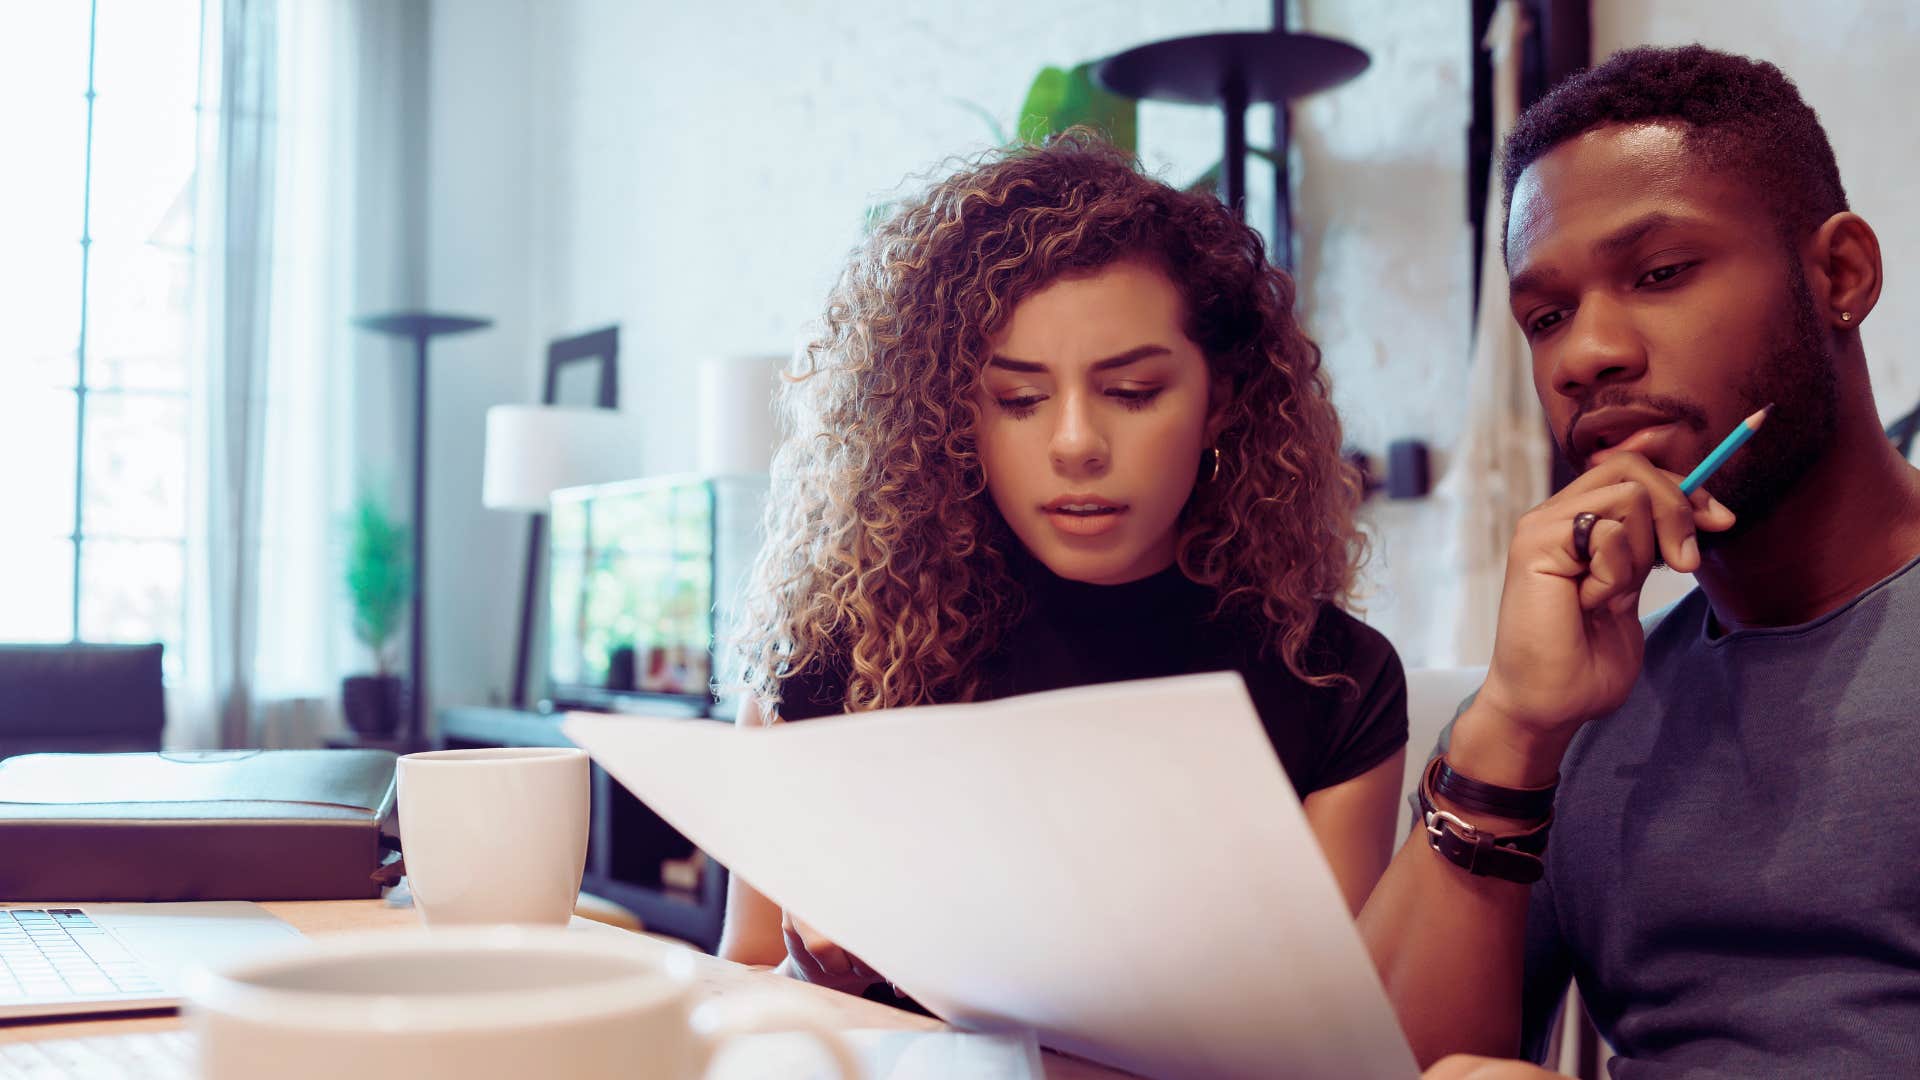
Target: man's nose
x,y
1600,347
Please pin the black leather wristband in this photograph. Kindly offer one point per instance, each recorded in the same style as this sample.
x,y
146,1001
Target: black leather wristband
x,y
1521,804
1518,857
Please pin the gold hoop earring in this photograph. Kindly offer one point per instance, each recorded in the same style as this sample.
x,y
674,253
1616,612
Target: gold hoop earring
x,y
1215,474
1846,316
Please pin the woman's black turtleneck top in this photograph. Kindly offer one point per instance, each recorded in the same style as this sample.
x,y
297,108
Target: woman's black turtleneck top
x,y
1071,633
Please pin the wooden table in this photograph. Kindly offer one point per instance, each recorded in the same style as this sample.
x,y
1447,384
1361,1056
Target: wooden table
x,y
714,978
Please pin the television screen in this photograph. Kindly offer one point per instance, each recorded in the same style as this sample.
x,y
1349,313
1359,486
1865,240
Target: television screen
x,y
631,573
641,574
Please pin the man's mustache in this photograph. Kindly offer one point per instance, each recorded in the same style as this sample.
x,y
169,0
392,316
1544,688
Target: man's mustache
x,y
1677,410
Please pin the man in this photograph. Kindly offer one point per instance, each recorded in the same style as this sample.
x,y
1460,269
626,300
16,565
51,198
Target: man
x,y
1733,874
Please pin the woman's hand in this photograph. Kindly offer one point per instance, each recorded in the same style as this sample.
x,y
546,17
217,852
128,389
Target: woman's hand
x,y
1469,1067
812,958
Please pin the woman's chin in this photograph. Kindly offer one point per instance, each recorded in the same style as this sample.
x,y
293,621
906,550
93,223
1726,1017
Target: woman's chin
x,y
1112,564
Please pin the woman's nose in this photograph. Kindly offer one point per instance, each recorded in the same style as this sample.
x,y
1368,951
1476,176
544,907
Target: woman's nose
x,y
1079,446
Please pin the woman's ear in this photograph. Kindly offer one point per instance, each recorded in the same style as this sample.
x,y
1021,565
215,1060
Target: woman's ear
x,y
1219,402
1844,270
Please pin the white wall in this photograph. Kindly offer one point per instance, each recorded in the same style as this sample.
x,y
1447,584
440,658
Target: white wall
x,y
1385,252
479,258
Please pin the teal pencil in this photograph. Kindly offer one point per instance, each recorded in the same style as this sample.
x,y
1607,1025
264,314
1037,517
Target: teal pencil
x,y
1724,451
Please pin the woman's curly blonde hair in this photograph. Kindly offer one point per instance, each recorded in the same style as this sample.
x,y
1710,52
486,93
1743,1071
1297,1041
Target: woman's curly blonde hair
x,y
883,564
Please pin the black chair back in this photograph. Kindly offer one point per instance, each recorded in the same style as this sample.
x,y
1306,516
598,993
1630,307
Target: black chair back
x,y
80,698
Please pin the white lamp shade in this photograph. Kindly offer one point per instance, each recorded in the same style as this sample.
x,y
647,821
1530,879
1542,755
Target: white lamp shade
x,y
735,419
534,450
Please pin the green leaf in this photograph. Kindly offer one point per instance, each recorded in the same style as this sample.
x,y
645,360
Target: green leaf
x,y
1044,99
1113,115
1061,99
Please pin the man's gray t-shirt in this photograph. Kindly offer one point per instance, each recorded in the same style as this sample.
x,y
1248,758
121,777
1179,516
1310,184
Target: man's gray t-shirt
x,y
1734,871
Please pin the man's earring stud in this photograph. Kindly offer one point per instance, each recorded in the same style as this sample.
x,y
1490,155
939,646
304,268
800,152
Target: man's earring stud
x,y
1846,316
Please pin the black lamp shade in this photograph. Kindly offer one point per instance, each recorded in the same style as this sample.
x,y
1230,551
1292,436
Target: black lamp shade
x,y
1267,66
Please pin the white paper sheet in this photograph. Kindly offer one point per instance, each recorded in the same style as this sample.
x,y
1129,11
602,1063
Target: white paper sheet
x,y
884,1055
1123,869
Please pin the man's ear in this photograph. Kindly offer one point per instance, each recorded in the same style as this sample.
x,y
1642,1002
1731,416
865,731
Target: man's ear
x,y
1844,273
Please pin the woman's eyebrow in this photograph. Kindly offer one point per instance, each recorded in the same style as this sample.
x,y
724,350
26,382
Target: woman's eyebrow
x,y
1133,355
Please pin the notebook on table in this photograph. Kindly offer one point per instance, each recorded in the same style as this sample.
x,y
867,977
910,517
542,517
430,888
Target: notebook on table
x,y
194,825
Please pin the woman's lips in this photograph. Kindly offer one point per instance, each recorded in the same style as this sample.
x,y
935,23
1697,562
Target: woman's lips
x,y
1085,523
1643,442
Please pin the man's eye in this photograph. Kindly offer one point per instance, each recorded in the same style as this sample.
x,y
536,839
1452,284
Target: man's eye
x,y
1546,322
1662,274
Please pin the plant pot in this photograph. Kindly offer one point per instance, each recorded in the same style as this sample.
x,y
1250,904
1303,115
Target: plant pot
x,y
373,704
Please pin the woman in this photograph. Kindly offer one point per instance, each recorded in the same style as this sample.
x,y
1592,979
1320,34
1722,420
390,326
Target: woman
x,y
1062,429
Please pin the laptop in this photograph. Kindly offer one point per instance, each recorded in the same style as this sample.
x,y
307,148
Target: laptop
x,y
70,959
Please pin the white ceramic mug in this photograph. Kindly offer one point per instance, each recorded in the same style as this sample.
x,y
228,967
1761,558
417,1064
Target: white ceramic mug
x,y
470,1004
494,835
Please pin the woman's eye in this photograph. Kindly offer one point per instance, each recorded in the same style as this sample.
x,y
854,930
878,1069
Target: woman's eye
x,y
1135,397
1662,274
1020,404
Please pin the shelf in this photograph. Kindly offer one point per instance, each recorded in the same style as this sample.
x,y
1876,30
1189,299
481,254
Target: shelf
x,y
501,727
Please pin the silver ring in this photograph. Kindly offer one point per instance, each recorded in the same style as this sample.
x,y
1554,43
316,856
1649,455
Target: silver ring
x,y
1583,536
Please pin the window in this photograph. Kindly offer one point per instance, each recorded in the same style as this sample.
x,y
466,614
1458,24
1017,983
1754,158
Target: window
x,y
100,102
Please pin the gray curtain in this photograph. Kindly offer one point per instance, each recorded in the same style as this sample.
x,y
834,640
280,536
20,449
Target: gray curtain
x,y
241,321
308,212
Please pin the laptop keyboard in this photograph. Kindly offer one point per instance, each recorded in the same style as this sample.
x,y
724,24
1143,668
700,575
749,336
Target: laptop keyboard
x,y
60,953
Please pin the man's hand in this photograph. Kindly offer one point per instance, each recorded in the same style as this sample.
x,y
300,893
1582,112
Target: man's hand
x,y
1569,643
812,958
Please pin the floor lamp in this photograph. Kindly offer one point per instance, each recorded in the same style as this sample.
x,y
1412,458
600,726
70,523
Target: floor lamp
x,y
419,327
535,450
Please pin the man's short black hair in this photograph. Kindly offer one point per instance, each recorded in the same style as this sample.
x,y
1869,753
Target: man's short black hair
x,y
1743,116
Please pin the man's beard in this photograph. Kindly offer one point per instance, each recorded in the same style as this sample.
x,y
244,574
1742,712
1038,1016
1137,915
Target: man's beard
x,y
1797,377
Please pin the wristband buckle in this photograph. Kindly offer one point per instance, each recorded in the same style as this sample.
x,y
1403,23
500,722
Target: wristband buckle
x,y
1466,828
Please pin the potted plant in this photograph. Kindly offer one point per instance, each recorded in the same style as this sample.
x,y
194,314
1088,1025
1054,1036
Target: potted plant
x,y
379,577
